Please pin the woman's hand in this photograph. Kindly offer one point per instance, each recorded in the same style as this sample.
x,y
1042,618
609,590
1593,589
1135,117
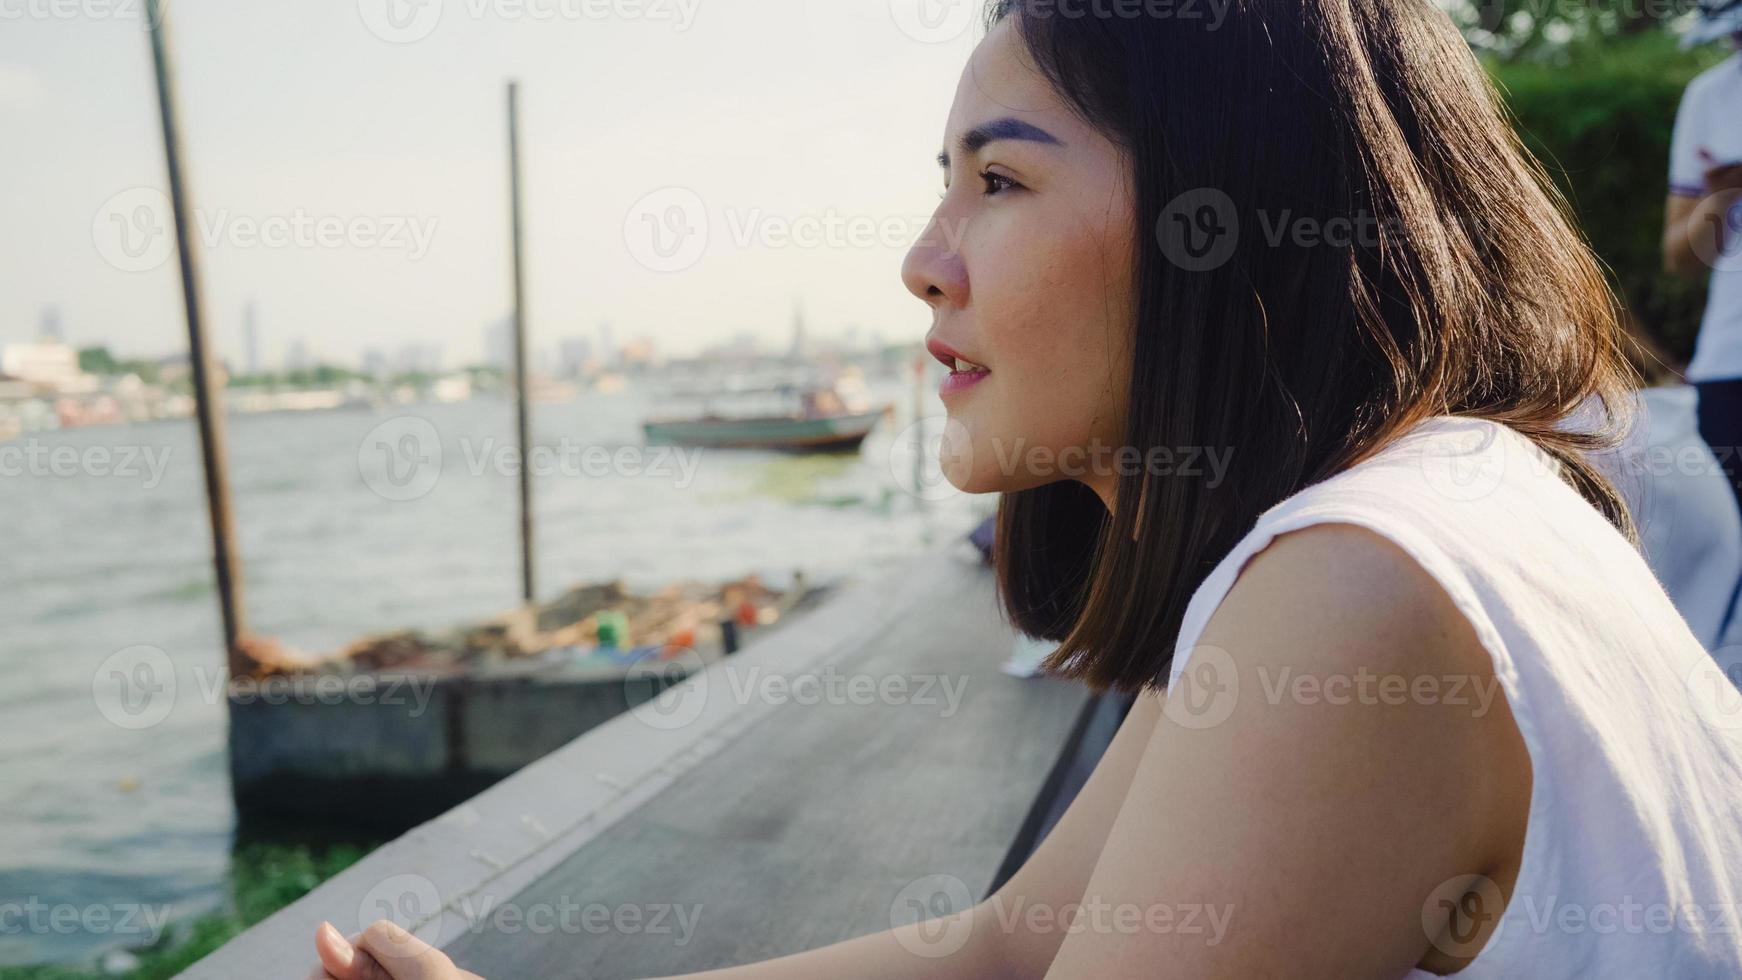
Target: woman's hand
x,y
384,951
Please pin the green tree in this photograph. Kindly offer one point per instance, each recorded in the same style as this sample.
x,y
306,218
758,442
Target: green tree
x,y
1560,31
1601,125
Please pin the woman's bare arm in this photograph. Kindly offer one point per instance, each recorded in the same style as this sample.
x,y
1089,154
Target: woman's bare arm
x,y
1282,824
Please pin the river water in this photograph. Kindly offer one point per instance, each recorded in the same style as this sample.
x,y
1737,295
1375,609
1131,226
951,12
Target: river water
x,y
349,522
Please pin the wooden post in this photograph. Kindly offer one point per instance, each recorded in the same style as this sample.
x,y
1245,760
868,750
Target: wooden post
x,y
520,386
208,398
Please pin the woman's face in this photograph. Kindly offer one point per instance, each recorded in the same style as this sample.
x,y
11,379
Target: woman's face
x,y
1027,265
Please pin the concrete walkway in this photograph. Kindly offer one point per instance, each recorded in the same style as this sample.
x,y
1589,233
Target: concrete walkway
x,y
868,766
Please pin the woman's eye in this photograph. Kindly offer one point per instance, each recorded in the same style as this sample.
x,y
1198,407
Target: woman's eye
x,y
997,183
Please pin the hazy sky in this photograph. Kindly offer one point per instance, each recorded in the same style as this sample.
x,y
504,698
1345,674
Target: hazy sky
x,y
348,163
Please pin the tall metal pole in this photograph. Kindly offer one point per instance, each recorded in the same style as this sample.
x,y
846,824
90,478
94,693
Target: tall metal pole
x,y
208,399
520,388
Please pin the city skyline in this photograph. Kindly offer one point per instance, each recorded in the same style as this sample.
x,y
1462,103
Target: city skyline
x,y
259,353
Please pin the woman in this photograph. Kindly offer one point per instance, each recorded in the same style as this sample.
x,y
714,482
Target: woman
x,y
1410,702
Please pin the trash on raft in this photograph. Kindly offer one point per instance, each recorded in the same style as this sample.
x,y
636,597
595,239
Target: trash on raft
x,y
603,623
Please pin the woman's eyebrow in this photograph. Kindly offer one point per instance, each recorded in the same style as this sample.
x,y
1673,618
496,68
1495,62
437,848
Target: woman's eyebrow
x,y
1007,128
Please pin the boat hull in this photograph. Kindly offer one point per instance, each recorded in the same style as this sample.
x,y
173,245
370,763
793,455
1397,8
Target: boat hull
x,y
835,433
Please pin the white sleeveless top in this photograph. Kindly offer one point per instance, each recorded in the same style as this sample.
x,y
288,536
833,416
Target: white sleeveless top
x,y
1632,862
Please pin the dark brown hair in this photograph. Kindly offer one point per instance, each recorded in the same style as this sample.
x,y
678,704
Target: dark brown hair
x,y
1467,290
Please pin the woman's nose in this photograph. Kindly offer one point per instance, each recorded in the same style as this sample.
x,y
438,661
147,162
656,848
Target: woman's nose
x,y
933,269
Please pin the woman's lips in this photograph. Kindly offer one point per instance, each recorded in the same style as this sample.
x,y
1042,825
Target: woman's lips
x,y
964,374
959,381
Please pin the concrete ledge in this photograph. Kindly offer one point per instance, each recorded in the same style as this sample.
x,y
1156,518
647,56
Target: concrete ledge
x,y
508,838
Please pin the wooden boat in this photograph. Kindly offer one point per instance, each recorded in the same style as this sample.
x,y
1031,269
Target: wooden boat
x,y
824,422
836,433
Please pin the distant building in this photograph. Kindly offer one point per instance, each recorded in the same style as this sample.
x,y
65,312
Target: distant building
x,y
742,347
174,369
639,351
374,362
50,328
177,368
418,358
800,349
573,356
499,344
15,389
296,356
607,345
49,365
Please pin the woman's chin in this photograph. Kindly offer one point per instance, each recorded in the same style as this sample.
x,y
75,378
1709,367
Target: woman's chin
x,y
970,482
973,461
968,470
978,473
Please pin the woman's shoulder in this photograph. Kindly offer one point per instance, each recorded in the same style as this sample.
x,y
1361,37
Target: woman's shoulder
x,y
1371,700
1382,521
1440,459
1380,602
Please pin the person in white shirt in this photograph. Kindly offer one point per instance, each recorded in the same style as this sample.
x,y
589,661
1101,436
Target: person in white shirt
x,y
1703,228
1689,527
